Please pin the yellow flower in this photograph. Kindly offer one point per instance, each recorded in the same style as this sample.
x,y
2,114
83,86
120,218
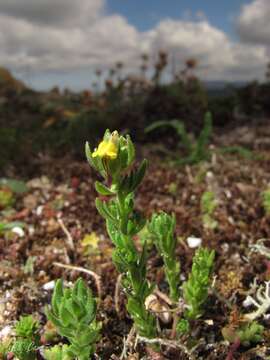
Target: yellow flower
x,y
107,149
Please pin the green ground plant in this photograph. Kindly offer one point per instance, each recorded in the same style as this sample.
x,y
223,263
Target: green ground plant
x,y
73,312
113,157
195,289
162,226
7,226
197,150
27,327
24,349
57,352
6,198
239,150
208,206
27,338
247,333
266,201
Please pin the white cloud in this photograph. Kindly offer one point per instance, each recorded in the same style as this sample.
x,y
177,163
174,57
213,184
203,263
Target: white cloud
x,y
218,56
254,22
41,36
53,12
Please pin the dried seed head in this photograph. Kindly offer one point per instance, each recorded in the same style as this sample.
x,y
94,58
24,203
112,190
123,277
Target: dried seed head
x,y
159,308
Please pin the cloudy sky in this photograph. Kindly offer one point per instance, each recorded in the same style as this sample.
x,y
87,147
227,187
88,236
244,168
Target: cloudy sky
x,y
48,42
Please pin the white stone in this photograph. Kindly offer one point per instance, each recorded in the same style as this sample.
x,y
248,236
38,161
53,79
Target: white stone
x,y
49,285
39,210
194,242
5,332
18,230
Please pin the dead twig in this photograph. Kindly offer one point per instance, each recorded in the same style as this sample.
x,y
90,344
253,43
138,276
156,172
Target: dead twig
x,y
168,343
174,326
69,241
127,342
117,293
163,296
189,174
221,298
95,276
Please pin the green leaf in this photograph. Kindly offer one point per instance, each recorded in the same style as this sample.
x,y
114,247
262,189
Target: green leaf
x,y
104,210
57,296
195,289
88,154
130,151
139,175
75,316
65,315
11,225
130,182
16,186
102,189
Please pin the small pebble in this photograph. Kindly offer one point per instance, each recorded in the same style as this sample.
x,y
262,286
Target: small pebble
x,y
18,230
194,242
49,285
5,332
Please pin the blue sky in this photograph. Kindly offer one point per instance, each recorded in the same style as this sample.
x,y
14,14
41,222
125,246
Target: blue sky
x,y
145,14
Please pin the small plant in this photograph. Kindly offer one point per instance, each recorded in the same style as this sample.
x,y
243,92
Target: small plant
x,y
27,338
208,206
195,289
250,333
238,150
28,267
196,150
27,327
113,159
6,198
57,352
266,201
4,226
73,313
162,226
246,334
15,186
24,349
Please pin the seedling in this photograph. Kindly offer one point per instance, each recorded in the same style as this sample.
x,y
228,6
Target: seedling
x,y
24,349
57,352
162,226
195,289
27,338
266,201
208,207
73,313
239,150
28,267
197,150
27,327
113,159
6,198
245,334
